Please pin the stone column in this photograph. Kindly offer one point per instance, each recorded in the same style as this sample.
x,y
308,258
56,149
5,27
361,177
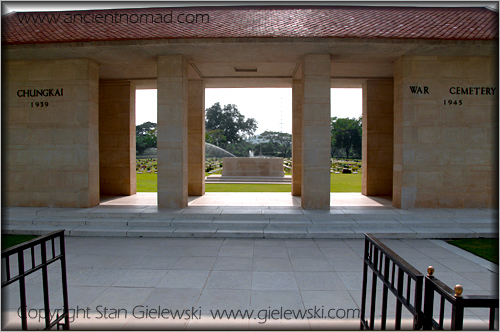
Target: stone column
x,y
315,192
117,138
196,138
297,100
378,145
172,132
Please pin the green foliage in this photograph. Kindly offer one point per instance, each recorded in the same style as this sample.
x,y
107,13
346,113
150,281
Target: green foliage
x,y
215,137
240,149
227,125
145,136
13,240
485,248
346,136
279,144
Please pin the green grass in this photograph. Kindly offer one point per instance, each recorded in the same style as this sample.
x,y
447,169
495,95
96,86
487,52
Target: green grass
x,y
146,182
338,183
485,248
345,183
12,240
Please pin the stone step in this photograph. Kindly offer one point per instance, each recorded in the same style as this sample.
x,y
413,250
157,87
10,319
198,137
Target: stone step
x,y
247,220
251,232
253,222
258,230
248,179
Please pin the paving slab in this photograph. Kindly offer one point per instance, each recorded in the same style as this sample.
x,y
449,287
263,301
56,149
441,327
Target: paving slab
x,y
121,272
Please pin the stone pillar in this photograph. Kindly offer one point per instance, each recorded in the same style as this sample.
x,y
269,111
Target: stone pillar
x,y
378,145
297,100
315,192
50,133
117,138
172,132
196,138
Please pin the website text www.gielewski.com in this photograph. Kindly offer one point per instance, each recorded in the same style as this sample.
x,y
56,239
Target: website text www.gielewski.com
x,y
158,312
114,18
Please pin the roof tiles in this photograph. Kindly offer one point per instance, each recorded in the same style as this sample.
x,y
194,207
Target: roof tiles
x,y
445,23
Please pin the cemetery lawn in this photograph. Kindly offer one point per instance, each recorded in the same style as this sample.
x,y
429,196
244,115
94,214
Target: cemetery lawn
x,y
485,248
12,240
339,183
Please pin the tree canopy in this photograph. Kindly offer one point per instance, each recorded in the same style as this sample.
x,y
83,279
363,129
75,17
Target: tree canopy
x,y
279,144
346,136
227,125
145,136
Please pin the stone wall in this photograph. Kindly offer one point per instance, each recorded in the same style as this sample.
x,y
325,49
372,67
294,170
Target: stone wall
x,y
445,132
378,145
196,138
117,138
297,101
50,135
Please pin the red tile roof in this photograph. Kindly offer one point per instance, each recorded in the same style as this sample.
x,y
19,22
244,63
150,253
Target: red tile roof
x,y
443,23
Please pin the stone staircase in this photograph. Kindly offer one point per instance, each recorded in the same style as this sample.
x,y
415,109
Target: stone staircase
x,y
252,222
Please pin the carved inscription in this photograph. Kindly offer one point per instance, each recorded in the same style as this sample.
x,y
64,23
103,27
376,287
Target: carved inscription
x,y
40,93
415,89
23,93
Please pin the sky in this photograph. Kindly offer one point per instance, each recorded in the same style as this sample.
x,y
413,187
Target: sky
x,y
271,107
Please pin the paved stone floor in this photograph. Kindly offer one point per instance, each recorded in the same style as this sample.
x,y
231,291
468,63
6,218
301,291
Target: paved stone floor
x,y
129,276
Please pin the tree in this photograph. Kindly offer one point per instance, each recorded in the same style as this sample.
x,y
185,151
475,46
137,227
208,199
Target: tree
x,y
230,122
215,137
145,137
279,143
346,135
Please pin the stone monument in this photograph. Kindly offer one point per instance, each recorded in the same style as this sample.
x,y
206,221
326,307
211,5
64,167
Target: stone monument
x,y
261,167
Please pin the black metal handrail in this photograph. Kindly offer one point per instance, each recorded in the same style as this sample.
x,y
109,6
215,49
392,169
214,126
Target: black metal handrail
x,y
457,301
10,278
379,258
383,262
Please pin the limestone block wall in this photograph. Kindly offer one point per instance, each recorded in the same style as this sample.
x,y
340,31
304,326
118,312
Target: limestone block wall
x,y
378,126
117,138
196,138
315,191
297,100
172,131
445,132
50,133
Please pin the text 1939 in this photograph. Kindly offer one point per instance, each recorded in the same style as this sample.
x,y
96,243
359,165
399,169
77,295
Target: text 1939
x,y
40,104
